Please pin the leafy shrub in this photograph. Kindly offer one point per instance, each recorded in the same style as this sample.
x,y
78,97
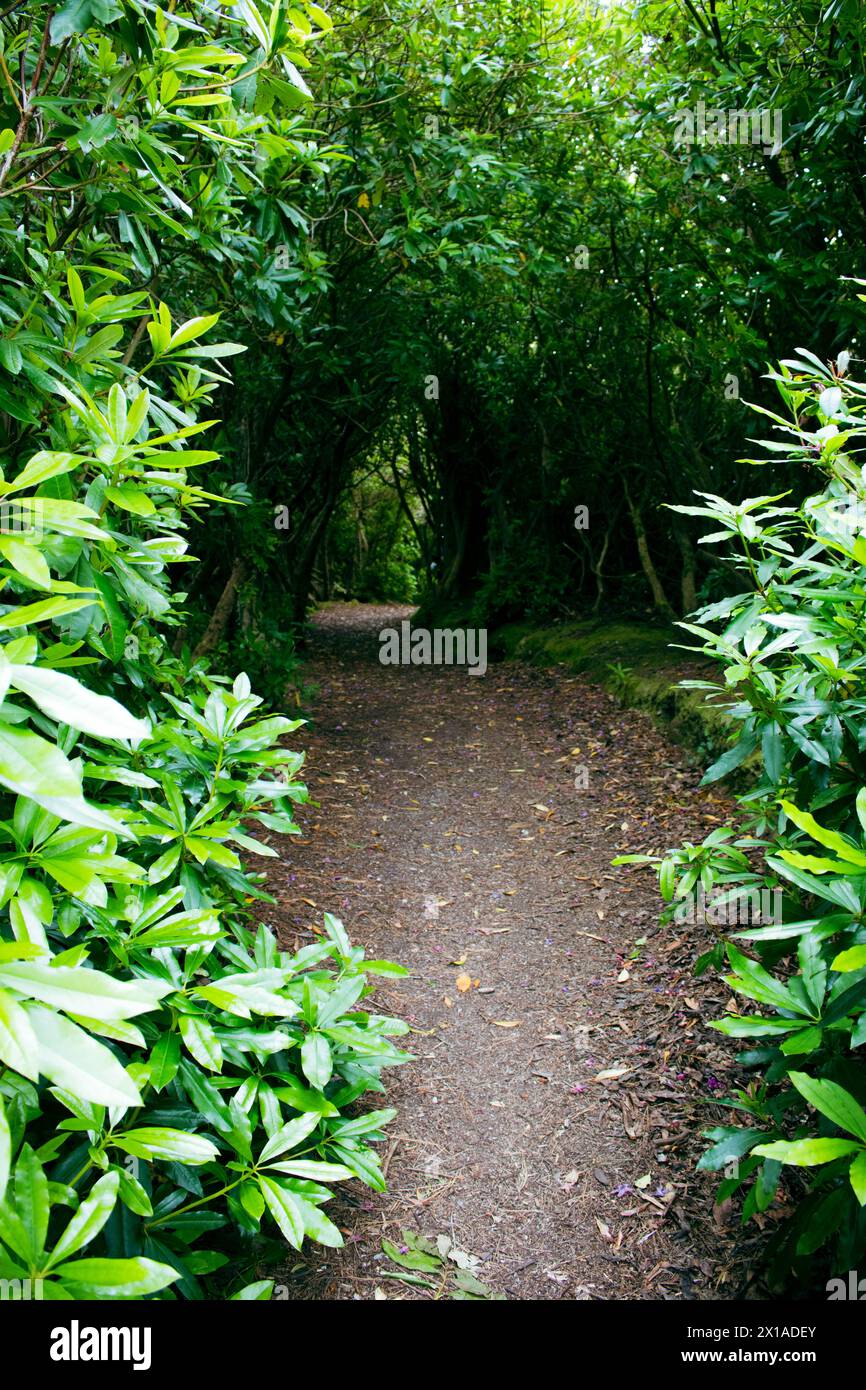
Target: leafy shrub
x,y
172,1077
793,650
172,1081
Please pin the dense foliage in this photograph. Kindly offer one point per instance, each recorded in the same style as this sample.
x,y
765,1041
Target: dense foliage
x,y
172,1080
472,290
483,263
792,651
521,291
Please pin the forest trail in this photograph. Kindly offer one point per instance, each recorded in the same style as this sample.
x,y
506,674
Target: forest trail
x,y
550,1122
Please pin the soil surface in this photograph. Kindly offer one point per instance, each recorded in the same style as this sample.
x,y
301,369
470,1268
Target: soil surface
x,y
549,1124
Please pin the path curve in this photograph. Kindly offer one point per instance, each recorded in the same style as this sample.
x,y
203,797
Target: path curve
x,y
548,1123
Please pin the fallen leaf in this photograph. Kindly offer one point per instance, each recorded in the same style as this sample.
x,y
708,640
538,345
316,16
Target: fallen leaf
x,y
463,983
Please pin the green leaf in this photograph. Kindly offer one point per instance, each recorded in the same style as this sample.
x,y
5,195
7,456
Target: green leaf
x,y
301,1098
807,1153
284,1209
812,968
412,1259
132,1194
833,1101
42,466
755,982
26,560
69,702
200,1039
731,759
184,929
289,1136
384,967
857,1176
5,1150
131,499
193,328
18,1046
363,1163
362,1124
42,611
315,1172
31,766
753,1026
10,353
733,1145
317,1225
316,1060
852,959
89,1219
135,1278
667,879
337,933
81,991
164,1061
829,838
205,1097
175,1145
30,1196
70,1058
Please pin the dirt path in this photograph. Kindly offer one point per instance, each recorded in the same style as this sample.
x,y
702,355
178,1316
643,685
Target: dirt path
x,y
547,1124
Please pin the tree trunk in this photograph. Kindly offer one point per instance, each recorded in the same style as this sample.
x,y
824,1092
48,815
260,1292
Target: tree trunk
x,y
643,550
326,570
220,617
597,569
689,588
